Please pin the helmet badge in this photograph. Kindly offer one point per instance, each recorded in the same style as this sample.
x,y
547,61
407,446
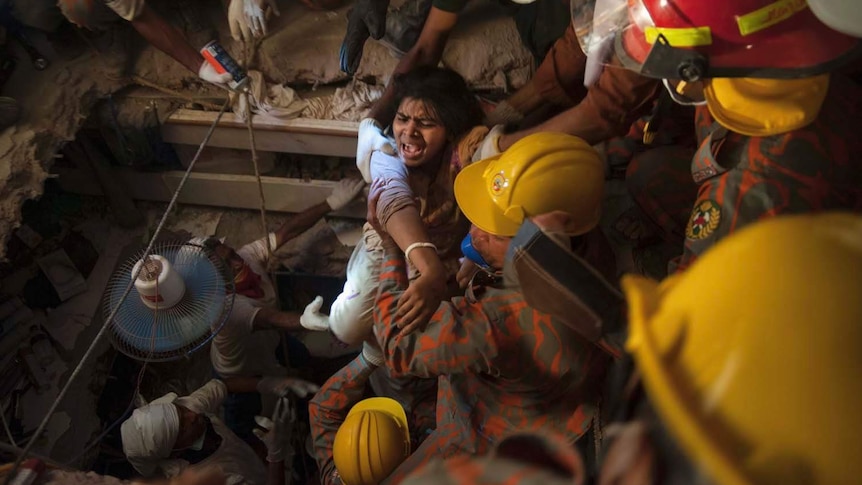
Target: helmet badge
x,y
499,183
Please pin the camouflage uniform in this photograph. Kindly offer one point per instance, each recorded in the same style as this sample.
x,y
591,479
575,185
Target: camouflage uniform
x,y
521,459
331,404
741,179
502,367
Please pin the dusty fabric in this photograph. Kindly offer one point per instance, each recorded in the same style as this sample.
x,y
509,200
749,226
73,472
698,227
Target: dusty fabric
x,y
272,101
349,103
502,367
149,436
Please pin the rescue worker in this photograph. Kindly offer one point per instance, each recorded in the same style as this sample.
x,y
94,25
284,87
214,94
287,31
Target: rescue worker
x,y
724,370
172,434
500,364
776,131
361,441
246,345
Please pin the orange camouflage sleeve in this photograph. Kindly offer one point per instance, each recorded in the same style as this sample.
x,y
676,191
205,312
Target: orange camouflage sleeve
x,y
461,335
329,409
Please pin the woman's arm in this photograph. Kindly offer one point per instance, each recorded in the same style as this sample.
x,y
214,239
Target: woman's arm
x,y
391,208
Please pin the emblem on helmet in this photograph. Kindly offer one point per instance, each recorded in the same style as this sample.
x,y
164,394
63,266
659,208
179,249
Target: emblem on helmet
x,y
499,183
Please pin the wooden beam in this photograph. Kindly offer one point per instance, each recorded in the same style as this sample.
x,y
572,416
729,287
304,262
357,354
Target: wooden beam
x,y
233,191
299,135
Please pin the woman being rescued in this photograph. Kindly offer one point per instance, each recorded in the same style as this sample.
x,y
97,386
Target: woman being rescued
x,y
436,130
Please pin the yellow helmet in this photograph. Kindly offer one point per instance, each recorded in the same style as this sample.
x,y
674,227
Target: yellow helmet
x,y
753,356
540,173
373,440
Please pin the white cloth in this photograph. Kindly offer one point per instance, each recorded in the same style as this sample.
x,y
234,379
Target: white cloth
x,y
149,436
350,317
128,9
236,459
276,101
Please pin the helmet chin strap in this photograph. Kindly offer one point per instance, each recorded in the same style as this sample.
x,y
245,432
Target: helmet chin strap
x,y
679,98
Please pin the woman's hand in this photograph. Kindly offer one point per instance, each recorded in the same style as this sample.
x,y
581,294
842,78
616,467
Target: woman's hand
x,y
419,302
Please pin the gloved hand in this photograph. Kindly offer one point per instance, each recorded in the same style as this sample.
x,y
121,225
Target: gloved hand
x,y
503,114
373,354
247,18
371,138
367,18
275,431
208,73
281,386
489,146
345,191
312,319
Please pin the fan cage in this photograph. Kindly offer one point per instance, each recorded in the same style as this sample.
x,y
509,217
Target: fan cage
x,y
171,333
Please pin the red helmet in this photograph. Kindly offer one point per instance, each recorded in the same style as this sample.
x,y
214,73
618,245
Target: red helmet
x,y
693,39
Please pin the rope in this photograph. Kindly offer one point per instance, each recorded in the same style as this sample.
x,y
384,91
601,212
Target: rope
x,y
110,317
249,52
264,227
134,393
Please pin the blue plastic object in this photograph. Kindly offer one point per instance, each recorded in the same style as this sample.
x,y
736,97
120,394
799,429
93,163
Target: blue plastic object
x,y
473,255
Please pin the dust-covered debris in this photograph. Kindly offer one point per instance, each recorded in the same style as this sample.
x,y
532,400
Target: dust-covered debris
x,y
302,48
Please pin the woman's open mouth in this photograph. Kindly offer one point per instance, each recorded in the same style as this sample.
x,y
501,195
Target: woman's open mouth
x,y
410,150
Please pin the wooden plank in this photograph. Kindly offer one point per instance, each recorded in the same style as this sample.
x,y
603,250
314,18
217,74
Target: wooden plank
x,y
300,135
233,191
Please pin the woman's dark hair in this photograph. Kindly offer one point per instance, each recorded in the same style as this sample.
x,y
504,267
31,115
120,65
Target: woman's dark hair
x,y
446,96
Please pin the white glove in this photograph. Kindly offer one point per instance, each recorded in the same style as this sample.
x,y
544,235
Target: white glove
x,y
208,73
490,145
312,319
275,431
504,114
372,354
371,138
345,191
254,12
247,18
281,386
